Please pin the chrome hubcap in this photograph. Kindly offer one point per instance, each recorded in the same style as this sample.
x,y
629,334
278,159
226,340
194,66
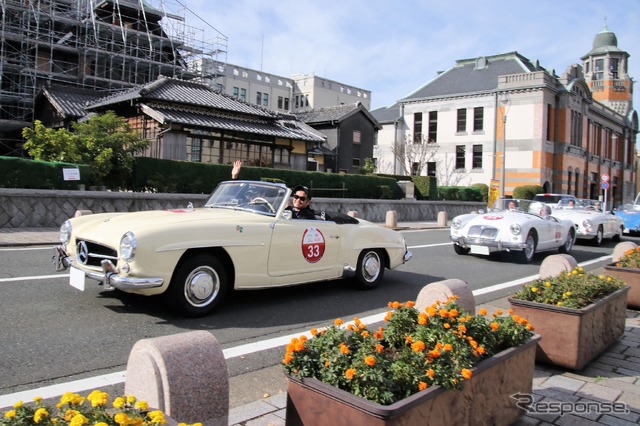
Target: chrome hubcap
x,y
371,266
202,286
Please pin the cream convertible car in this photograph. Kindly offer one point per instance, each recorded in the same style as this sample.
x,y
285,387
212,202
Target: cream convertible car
x,y
243,238
509,226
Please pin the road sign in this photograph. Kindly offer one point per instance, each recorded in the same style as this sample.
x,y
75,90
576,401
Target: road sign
x,y
604,185
604,177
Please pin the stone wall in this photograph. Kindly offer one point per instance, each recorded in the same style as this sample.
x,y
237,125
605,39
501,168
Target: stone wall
x,y
47,208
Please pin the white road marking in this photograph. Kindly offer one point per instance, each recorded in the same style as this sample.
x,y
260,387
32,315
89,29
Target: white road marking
x,y
249,348
38,277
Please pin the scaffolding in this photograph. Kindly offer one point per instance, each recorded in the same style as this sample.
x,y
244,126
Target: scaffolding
x,y
104,45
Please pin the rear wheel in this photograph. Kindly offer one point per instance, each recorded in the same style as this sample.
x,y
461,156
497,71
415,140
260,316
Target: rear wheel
x,y
198,286
568,244
597,241
370,269
461,250
618,236
530,249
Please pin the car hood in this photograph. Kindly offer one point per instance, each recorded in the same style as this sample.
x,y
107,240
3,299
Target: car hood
x,y
499,218
108,228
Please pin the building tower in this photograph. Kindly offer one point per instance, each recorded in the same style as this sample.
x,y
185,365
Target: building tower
x,y
607,74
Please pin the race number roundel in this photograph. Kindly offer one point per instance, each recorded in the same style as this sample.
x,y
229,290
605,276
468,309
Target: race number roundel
x,y
313,245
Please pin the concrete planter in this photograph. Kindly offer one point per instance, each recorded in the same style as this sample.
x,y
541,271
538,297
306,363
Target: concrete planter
x,y
485,398
572,338
631,276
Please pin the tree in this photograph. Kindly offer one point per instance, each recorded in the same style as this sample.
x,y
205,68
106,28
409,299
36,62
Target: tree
x,y
106,142
369,166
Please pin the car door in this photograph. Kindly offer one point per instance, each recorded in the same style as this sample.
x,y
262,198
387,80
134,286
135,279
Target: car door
x,y
304,250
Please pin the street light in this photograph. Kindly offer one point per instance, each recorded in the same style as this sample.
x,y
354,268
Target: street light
x,y
505,101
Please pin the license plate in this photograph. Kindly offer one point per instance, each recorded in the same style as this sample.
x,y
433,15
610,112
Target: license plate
x,y
479,249
76,278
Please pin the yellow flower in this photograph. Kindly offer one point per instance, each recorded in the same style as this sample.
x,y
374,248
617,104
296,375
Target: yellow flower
x,y
119,402
78,420
142,405
482,312
547,284
121,418
40,414
17,404
10,414
156,416
601,277
534,289
98,399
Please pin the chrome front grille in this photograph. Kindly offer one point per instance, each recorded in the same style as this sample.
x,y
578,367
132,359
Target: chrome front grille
x,y
483,232
92,254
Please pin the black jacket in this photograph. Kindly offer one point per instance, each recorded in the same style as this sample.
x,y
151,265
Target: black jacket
x,y
305,213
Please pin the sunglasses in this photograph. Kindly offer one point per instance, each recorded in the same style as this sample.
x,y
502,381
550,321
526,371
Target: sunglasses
x,y
297,197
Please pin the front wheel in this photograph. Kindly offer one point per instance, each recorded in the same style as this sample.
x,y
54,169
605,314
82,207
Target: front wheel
x,y
618,236
198,286
568,243
370,269
597,241
530,250
461,250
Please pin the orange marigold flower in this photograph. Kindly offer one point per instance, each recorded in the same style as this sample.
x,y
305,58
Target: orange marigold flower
x,y
356,321
473,343
495,326
510,311
466,373
314,331
422,319
462,328
303,338
379,348
338,322
499,312
408,339
434,353
482,311
410,303
530,327
350,373
326,364
431,373
287,358
377,334
370,360
343,348
388,316
365,334
453,313
481,350
438,345
422,386
431,311
350,327
418,346
444,313
446,325
396,305
299,347
447,347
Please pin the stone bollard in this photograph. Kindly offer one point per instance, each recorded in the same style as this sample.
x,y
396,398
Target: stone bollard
x,y
620,248
391,220
442,290
352,213
557,264
82,213
442,218
184,375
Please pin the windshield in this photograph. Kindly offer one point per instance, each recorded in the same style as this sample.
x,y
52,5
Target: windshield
x,y
512,204
548,198
259,197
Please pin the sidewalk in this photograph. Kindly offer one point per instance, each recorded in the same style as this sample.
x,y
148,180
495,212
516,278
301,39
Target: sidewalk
x,y
613,377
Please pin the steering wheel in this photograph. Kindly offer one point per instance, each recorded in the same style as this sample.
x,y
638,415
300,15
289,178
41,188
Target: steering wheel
x,y
260,200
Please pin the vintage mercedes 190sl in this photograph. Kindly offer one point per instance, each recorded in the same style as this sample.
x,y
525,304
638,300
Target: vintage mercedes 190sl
x,y
243,238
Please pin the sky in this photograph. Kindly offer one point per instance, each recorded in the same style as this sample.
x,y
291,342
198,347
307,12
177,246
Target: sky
x,y
393,48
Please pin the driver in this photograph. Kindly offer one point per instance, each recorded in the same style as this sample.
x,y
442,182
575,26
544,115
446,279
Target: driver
x,y
301,202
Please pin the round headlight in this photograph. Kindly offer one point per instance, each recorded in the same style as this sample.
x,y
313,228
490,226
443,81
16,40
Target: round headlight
x,y
65,232
515,229
456,223
128,246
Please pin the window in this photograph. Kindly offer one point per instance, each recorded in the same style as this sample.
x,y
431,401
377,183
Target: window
x,y
599,69
576,128
286,104
356,162
431,168
280,102
196,150
415,169
433,126
477,157
462,120
613,68
478,119
281,156
356,136
236,92
265,99
459,156
243,95
549,118
258,98
417,127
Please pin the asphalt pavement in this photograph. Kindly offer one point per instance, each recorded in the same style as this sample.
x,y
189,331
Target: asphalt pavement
x,y
259,398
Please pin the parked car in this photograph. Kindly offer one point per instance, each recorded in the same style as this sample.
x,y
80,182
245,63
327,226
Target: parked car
x,y
509,226
590,221
243,238
630,215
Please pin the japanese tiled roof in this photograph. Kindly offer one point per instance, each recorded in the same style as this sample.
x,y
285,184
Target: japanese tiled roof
x,y
474,75
335,114
387,114
70,101
188,93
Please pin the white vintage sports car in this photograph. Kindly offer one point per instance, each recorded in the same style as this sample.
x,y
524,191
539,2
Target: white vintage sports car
x,y
590,221
243,238
508,226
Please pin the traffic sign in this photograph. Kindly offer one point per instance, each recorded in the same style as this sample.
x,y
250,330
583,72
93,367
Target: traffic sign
x,y
604,177
604,185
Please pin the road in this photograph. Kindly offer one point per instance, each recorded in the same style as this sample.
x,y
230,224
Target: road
x,y
54,334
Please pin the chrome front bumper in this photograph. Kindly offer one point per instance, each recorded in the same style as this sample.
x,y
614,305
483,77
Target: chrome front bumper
x,y
492,244
108,278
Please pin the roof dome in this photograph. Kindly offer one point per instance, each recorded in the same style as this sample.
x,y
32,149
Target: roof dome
x,y
605,38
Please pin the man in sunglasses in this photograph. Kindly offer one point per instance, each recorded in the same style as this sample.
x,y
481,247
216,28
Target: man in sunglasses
x,y
301,201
